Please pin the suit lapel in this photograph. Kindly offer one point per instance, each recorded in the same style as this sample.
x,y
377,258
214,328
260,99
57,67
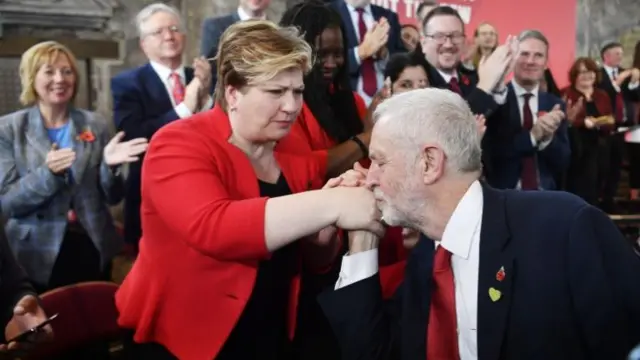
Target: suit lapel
x,y
376,12
155,86
79,124
514,111
37,134
416,298
544,103
188,75
495,276
352,36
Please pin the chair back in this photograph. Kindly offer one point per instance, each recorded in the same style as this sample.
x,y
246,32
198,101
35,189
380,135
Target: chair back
x,y
87,314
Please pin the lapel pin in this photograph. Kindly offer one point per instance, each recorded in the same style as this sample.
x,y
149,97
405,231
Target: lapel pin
x,y
500,275
494,294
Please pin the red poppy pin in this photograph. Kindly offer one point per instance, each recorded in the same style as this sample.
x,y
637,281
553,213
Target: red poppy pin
x,y
465,80
501,274
541,113
86,135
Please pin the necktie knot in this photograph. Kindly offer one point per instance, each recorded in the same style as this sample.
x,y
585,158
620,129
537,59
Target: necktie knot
x,y
455,86
527,96
360,11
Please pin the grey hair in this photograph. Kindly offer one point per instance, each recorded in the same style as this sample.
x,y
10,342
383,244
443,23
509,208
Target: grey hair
x,y
419,117
533,34
150,10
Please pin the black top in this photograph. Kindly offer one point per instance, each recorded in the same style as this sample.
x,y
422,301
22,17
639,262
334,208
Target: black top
x,y
591,109
261,331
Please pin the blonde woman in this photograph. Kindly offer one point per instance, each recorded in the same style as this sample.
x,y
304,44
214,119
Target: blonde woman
x,y
58,173
228,218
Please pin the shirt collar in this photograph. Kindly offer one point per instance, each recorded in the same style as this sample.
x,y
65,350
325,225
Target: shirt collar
x,y
447,77
520,91
164,72
610,70
244,16
366,9
465,221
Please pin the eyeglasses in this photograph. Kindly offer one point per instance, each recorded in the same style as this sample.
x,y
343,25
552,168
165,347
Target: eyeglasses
x,y
441,38
174,29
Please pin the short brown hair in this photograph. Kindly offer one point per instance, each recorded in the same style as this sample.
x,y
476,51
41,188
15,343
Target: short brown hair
x,y
588,63
46,52
255,51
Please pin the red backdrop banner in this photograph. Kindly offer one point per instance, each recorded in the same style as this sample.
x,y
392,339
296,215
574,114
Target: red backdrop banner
x,y
555,18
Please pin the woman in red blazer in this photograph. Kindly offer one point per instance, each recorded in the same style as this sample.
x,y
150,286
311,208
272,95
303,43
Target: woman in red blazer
x,y
585,103
218,271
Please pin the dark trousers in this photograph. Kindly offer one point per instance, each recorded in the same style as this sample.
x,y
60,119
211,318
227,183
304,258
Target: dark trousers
x,y
78,261
611,180
633,154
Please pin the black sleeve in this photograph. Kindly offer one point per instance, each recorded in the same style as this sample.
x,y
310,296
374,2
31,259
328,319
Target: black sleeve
x,y
367,327
604,281
14,283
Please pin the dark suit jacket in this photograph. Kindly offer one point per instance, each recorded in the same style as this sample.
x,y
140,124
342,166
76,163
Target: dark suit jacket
x,y
394,44
199,192
212,30
13,282
509,143
567,294
141,106
628,96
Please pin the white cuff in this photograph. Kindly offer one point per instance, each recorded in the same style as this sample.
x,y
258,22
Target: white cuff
x,y
544,144
357,267
355,55
633,85
500,99
183,111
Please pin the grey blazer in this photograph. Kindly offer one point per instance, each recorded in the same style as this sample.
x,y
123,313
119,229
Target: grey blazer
x,y
36,202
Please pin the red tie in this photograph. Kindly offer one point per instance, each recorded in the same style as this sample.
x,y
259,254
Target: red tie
x,y
455,86
442,334
177,88
367,69
529,175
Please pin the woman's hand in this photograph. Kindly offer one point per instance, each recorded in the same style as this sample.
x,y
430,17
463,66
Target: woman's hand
x,y
589,123
118,153
59,160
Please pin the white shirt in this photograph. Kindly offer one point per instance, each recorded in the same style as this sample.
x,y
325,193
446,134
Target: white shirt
x,y
462,238
164,73
244,16
533,105
379,64
500,99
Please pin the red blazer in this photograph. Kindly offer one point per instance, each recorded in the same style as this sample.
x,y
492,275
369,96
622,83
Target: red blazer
x,y
307,126
600,99
203,226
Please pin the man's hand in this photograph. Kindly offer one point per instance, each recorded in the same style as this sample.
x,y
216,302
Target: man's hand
x,y
547,124
27,314
375,39
494,68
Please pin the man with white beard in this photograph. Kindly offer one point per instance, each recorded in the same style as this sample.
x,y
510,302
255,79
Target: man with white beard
x,y
497,274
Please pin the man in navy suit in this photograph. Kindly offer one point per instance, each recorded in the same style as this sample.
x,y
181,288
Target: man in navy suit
x,y
155,94
373,33
497,274
527,136
214,27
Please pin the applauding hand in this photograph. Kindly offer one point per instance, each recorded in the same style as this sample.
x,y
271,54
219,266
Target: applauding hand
x,y
117,152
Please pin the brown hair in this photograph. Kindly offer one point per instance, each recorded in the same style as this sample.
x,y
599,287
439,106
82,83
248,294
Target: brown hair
x,y
33,59
253,51
477,56
588,63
